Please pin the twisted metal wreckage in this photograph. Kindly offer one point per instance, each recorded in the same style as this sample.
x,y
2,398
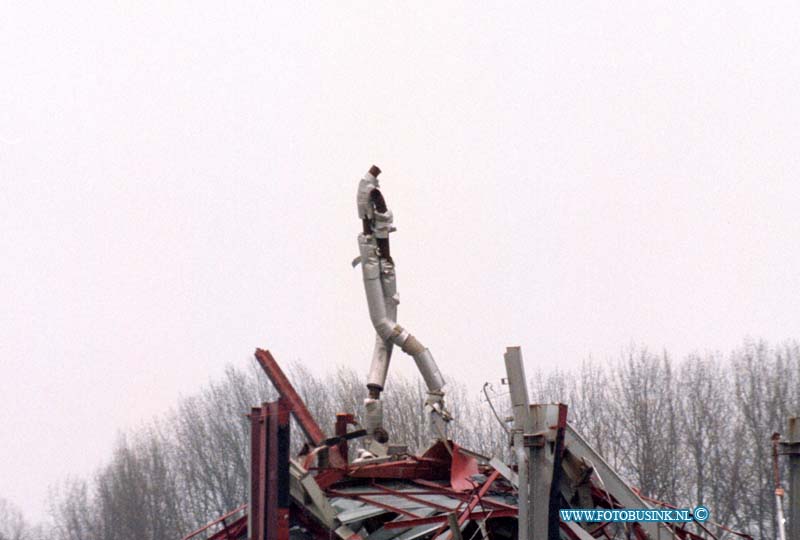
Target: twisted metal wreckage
x,y
447,492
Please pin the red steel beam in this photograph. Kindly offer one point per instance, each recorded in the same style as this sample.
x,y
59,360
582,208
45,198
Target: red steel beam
x,y
260,512
461,498
342,421
233,531
256,468
269,471
310,428
385,506
277,493
464,497
471,506
442,518
220,519
411,497
406,469
382,490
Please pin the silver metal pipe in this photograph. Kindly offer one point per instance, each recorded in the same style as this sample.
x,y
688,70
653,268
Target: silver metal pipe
x,y
382,353
371,271
380,288
520,405
373,417
379,367
427,366
780,525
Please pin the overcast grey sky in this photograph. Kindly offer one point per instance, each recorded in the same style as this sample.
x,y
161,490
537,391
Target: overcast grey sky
x,y
178,187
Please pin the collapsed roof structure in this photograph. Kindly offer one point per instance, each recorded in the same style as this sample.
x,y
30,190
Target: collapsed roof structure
x,y
445,493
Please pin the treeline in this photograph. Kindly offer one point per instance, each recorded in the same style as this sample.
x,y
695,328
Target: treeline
x,y
690,432
693,431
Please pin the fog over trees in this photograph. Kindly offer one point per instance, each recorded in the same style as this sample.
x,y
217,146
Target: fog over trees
x,y
689,431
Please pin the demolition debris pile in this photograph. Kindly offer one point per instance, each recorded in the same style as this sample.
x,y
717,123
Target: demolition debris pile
x,y
445,492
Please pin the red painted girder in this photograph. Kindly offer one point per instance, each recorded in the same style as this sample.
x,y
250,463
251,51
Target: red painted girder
x,y
233,531
308,425
471,505
462,496
298,407
218,521
409,469
406,523
410,497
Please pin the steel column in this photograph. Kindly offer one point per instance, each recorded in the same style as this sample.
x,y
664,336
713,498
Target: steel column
x,y
518,386
520,405
269,472
256,426
792,448
473,502
278,515
342,421
540,467
554,518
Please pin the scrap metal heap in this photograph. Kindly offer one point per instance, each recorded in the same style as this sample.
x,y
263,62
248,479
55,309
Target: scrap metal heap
x,y
445,493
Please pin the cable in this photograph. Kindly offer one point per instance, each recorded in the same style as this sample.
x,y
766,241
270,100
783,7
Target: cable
x,y
491,406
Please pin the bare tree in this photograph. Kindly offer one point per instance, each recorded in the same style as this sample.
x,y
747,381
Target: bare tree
x,y
766,389
691,435
648,411
12,523
72,511
709,436
594,412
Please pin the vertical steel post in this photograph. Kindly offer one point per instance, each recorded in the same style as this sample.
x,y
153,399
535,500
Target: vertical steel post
x,y
779,492
520,405
256,425
554,518
518,386
540,468
792,448
342,421
268,515
277,499
263,476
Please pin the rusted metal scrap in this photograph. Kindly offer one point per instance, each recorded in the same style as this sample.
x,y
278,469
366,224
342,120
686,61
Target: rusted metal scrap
x,y
316,496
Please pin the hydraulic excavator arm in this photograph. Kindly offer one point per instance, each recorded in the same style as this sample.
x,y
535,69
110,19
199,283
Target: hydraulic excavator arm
x,y
380,285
